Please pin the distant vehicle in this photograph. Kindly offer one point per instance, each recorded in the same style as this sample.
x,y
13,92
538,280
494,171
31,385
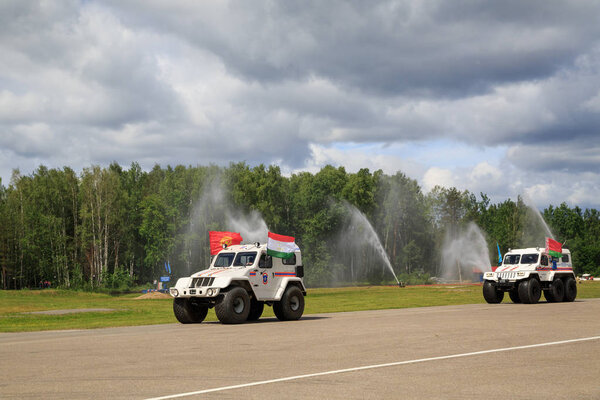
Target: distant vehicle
x,y
239,282
526,273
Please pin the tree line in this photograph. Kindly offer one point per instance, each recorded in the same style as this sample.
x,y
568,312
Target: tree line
x,y
112,226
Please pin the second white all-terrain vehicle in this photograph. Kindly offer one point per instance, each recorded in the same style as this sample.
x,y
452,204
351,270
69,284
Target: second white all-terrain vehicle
x,y
240,281
526,273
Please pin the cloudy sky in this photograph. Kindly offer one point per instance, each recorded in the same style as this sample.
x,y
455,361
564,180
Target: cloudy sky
x,y
494,97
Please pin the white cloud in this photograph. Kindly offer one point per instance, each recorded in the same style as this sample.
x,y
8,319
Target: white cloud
x,y
541,193
353,159
485,171
435,176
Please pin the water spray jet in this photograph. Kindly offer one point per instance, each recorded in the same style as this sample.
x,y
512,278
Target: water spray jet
x,y
359,220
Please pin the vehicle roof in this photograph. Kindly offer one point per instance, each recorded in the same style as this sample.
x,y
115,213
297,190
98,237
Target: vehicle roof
x,y
245,247
249,247
530,250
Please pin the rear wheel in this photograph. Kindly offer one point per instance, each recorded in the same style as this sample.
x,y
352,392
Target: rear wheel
x,y
256,309
234,307
491,294
570,289
514,295
188,312
556,291
291,306
530,291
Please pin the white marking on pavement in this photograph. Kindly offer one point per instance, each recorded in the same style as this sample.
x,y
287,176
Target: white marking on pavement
x,y
366,367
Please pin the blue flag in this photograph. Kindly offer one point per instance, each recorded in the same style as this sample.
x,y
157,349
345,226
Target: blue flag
x,y
499,254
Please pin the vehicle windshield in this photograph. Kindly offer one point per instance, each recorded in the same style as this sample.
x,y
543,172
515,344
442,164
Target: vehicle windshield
x,y
529,258
224,260
244,259
511,259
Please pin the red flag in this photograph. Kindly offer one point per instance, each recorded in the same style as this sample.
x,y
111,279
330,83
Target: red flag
x,y
218,239
553,247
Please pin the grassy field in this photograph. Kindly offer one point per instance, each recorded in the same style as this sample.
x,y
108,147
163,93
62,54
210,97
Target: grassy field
x,y
128,310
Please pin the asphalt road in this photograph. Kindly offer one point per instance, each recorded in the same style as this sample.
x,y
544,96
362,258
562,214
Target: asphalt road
x,y
458,352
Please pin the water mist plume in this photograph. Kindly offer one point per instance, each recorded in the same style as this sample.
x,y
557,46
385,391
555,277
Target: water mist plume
x,y
214,211
467,252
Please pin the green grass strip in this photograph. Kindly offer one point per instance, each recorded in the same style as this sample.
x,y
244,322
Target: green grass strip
x,y
129,311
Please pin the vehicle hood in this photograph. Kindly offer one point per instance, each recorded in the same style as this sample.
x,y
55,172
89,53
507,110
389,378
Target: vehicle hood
x,y
230,272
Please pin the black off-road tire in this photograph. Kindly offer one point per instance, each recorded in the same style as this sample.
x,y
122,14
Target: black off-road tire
x,y
514,295
556,291
530,291
234,307
491,294
187,312
570,289
291,306
277,310
256,309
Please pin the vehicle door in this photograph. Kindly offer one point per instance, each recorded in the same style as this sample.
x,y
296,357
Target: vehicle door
x,y
261,277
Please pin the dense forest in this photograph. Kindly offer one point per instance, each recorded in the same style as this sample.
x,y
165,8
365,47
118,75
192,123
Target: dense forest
x,y
108,227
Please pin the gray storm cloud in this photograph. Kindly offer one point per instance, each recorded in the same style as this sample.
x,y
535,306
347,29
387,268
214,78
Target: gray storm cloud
x,y
289,82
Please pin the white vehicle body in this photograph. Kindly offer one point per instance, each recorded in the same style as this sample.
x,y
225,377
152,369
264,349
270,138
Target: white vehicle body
x,y
521,267
264,279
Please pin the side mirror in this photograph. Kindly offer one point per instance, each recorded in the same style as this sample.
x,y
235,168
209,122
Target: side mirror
x,y
300,271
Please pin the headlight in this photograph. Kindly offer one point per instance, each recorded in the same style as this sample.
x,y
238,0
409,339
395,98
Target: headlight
x,y
489,274
520,273
209,292
174,292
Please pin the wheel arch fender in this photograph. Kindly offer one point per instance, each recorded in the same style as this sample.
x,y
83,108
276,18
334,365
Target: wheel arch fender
x,y
529,275
183,282
285,282
237,282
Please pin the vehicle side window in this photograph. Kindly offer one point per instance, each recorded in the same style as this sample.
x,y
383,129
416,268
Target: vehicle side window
x,y
544,260
289,261
265,261
565,258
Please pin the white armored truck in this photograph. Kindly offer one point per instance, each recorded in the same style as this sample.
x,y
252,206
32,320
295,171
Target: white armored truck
x,y
526,273
239,282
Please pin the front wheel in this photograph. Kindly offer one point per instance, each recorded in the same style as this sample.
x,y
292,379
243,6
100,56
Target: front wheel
x,y
291,306
234,307
491,294
188,312
530,291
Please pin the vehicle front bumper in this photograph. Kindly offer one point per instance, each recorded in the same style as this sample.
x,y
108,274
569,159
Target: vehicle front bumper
x,y
208,292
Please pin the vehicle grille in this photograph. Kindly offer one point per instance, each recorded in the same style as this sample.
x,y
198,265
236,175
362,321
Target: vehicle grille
x,y
507,275
199,282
